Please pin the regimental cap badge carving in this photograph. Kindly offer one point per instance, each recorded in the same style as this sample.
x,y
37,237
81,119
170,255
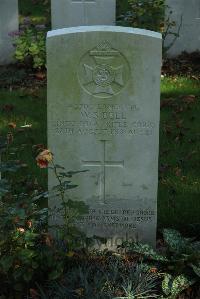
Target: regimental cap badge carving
x,y
104,49
103,71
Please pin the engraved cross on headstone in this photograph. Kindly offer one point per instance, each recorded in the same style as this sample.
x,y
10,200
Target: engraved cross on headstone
x,y
103,164
84,4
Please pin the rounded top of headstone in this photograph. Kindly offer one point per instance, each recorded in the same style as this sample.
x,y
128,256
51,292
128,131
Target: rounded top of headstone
x,y
102,28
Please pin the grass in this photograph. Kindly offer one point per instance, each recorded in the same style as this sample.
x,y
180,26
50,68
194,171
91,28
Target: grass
x,y
178,86
25,107
179,177
38,11
179,186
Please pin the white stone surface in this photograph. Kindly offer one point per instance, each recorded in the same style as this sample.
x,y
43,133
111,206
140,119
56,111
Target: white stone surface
x,y
103,115
69,13
189,39
8,23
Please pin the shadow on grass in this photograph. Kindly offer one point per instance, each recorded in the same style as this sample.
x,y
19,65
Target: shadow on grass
x,y
27,109
179,185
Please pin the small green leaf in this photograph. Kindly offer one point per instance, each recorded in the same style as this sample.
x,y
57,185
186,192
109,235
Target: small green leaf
x,y
167,284
180,283
147,251
59,166
66,186
196,269
54,275
175,241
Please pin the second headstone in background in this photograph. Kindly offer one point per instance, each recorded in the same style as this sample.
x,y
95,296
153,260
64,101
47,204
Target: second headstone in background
x,y
186,15
8,24
70,13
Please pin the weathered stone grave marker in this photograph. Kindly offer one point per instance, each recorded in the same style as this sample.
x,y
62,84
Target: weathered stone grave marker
x,y
187,14
69,13
103,115
8,24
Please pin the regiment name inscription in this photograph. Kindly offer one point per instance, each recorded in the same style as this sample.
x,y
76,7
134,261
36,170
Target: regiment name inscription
x,y
102,120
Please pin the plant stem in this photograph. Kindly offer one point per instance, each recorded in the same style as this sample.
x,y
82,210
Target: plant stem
x,y
62,191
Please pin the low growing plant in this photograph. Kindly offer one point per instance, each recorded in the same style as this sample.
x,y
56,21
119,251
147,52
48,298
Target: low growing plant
x,y
107,276
180,261
31,48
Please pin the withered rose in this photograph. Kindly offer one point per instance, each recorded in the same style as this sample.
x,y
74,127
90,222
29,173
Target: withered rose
x,y
44,158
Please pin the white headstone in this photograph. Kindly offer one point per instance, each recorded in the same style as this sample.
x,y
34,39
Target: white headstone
x,y
103,116
187,12
69,13
8,23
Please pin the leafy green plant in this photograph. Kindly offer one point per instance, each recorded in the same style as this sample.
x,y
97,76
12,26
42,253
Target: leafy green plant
x,y
25,254
180,261
28,253
173,286
106,278
66,212
30,48
69,210
148,14
151,15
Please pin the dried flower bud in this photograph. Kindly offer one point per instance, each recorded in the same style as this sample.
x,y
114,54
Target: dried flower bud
x,y
44,158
